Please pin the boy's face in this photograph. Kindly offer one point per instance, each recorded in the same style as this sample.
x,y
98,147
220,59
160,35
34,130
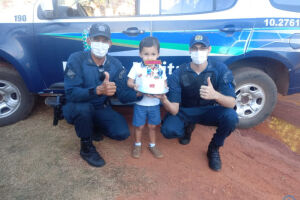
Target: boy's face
x,y
149,53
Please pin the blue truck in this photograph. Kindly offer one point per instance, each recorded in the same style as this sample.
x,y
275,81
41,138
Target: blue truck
x,y
259,40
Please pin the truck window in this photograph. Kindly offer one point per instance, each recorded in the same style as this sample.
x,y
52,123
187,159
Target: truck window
x,y
195,6
6,4
10,4
290,5
95,8
149,7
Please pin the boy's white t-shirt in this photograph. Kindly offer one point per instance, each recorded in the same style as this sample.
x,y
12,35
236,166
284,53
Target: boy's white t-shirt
x,y
139,70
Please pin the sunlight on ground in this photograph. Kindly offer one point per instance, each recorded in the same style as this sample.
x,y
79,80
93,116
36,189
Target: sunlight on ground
x,y
287,133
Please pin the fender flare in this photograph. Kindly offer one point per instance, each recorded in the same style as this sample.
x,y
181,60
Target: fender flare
x,y
26,75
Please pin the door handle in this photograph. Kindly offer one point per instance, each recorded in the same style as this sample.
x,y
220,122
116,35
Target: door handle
x,y
230,29
133,31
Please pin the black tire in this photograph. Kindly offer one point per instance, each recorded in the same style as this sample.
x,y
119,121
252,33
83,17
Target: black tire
x,y
256,96
16,102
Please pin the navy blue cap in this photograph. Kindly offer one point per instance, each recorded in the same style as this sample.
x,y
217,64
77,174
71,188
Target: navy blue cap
x,y
199,39
100,29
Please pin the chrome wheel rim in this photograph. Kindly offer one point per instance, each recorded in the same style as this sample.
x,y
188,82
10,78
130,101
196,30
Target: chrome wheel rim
x,y
10,98
250,100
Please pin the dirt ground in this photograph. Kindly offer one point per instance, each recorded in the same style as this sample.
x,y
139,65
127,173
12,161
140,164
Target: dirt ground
x,y
41,161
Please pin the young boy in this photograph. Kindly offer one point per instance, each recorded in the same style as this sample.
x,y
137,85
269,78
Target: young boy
x,y
148,107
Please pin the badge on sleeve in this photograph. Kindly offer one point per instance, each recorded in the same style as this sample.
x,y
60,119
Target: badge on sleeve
x,y
228,78
122,73
70,73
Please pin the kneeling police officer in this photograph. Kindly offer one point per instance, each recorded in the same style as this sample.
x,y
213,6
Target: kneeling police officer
x,y
200,92
90,78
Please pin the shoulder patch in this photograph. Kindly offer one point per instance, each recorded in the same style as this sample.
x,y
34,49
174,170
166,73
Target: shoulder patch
x,y
122,74
70,73
228,77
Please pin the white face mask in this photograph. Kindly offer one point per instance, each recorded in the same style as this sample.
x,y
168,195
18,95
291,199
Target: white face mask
x,y
199,57
99,49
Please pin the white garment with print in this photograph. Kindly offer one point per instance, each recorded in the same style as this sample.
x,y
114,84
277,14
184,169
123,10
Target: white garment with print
x,y
139,70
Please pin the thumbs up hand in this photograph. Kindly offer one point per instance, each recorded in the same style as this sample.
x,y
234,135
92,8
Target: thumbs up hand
x,y
207,91
106,79
106,88
209,82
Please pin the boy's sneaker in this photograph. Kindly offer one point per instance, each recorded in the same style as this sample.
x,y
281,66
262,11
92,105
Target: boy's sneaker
x,y
156,152
136,151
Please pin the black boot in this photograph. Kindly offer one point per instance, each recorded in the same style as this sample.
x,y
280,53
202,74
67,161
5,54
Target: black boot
x,y
188,129
89,153
214,160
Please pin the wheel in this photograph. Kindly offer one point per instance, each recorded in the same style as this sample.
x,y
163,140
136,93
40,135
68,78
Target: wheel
x,y
256,96
15,100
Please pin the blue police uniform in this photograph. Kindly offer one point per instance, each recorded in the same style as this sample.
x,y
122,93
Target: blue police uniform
x,y
184,85
84,108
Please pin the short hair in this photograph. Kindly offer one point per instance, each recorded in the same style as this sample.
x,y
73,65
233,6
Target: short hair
x,y
149,42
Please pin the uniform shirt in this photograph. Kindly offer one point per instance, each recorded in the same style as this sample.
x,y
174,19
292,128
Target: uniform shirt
x,y
222,81
82,76
139,70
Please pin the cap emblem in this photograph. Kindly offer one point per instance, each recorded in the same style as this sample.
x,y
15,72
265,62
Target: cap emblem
x,y
198,37
101,28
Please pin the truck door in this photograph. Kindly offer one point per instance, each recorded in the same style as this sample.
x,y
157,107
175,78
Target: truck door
x,y
67,32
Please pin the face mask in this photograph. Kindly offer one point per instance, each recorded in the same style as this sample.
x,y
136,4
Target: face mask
x,y
199,57
99,49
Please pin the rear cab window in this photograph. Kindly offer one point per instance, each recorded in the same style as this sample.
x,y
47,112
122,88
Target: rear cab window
x,y
95,8
10,4
16,11
290,5
197,6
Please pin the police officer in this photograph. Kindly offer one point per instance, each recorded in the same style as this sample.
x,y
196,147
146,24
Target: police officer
x,y
200,92
89,79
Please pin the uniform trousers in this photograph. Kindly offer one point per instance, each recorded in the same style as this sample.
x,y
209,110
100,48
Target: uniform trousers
x,y
86,118
225,119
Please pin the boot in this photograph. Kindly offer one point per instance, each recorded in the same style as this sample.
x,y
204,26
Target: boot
x,y
89,153
188,129
214,160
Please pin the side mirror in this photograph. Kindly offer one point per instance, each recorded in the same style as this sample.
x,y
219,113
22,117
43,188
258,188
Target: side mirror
x,y
47,9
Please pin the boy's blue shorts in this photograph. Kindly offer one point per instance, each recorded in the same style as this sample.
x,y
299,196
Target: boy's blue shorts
x,y
142,113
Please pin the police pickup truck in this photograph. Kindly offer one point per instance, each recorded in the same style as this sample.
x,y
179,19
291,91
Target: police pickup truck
x,y
259,40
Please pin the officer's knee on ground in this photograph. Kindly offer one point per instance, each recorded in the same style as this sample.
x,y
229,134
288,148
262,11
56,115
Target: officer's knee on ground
x,y
123,135
170,130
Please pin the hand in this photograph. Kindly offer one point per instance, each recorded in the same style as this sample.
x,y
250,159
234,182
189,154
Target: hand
x,y
135,87
106,88
149,95
162,97
166,85
139,94
159,96
208,92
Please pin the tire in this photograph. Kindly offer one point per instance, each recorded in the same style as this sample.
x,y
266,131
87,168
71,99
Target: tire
x,y
256,96
16,102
